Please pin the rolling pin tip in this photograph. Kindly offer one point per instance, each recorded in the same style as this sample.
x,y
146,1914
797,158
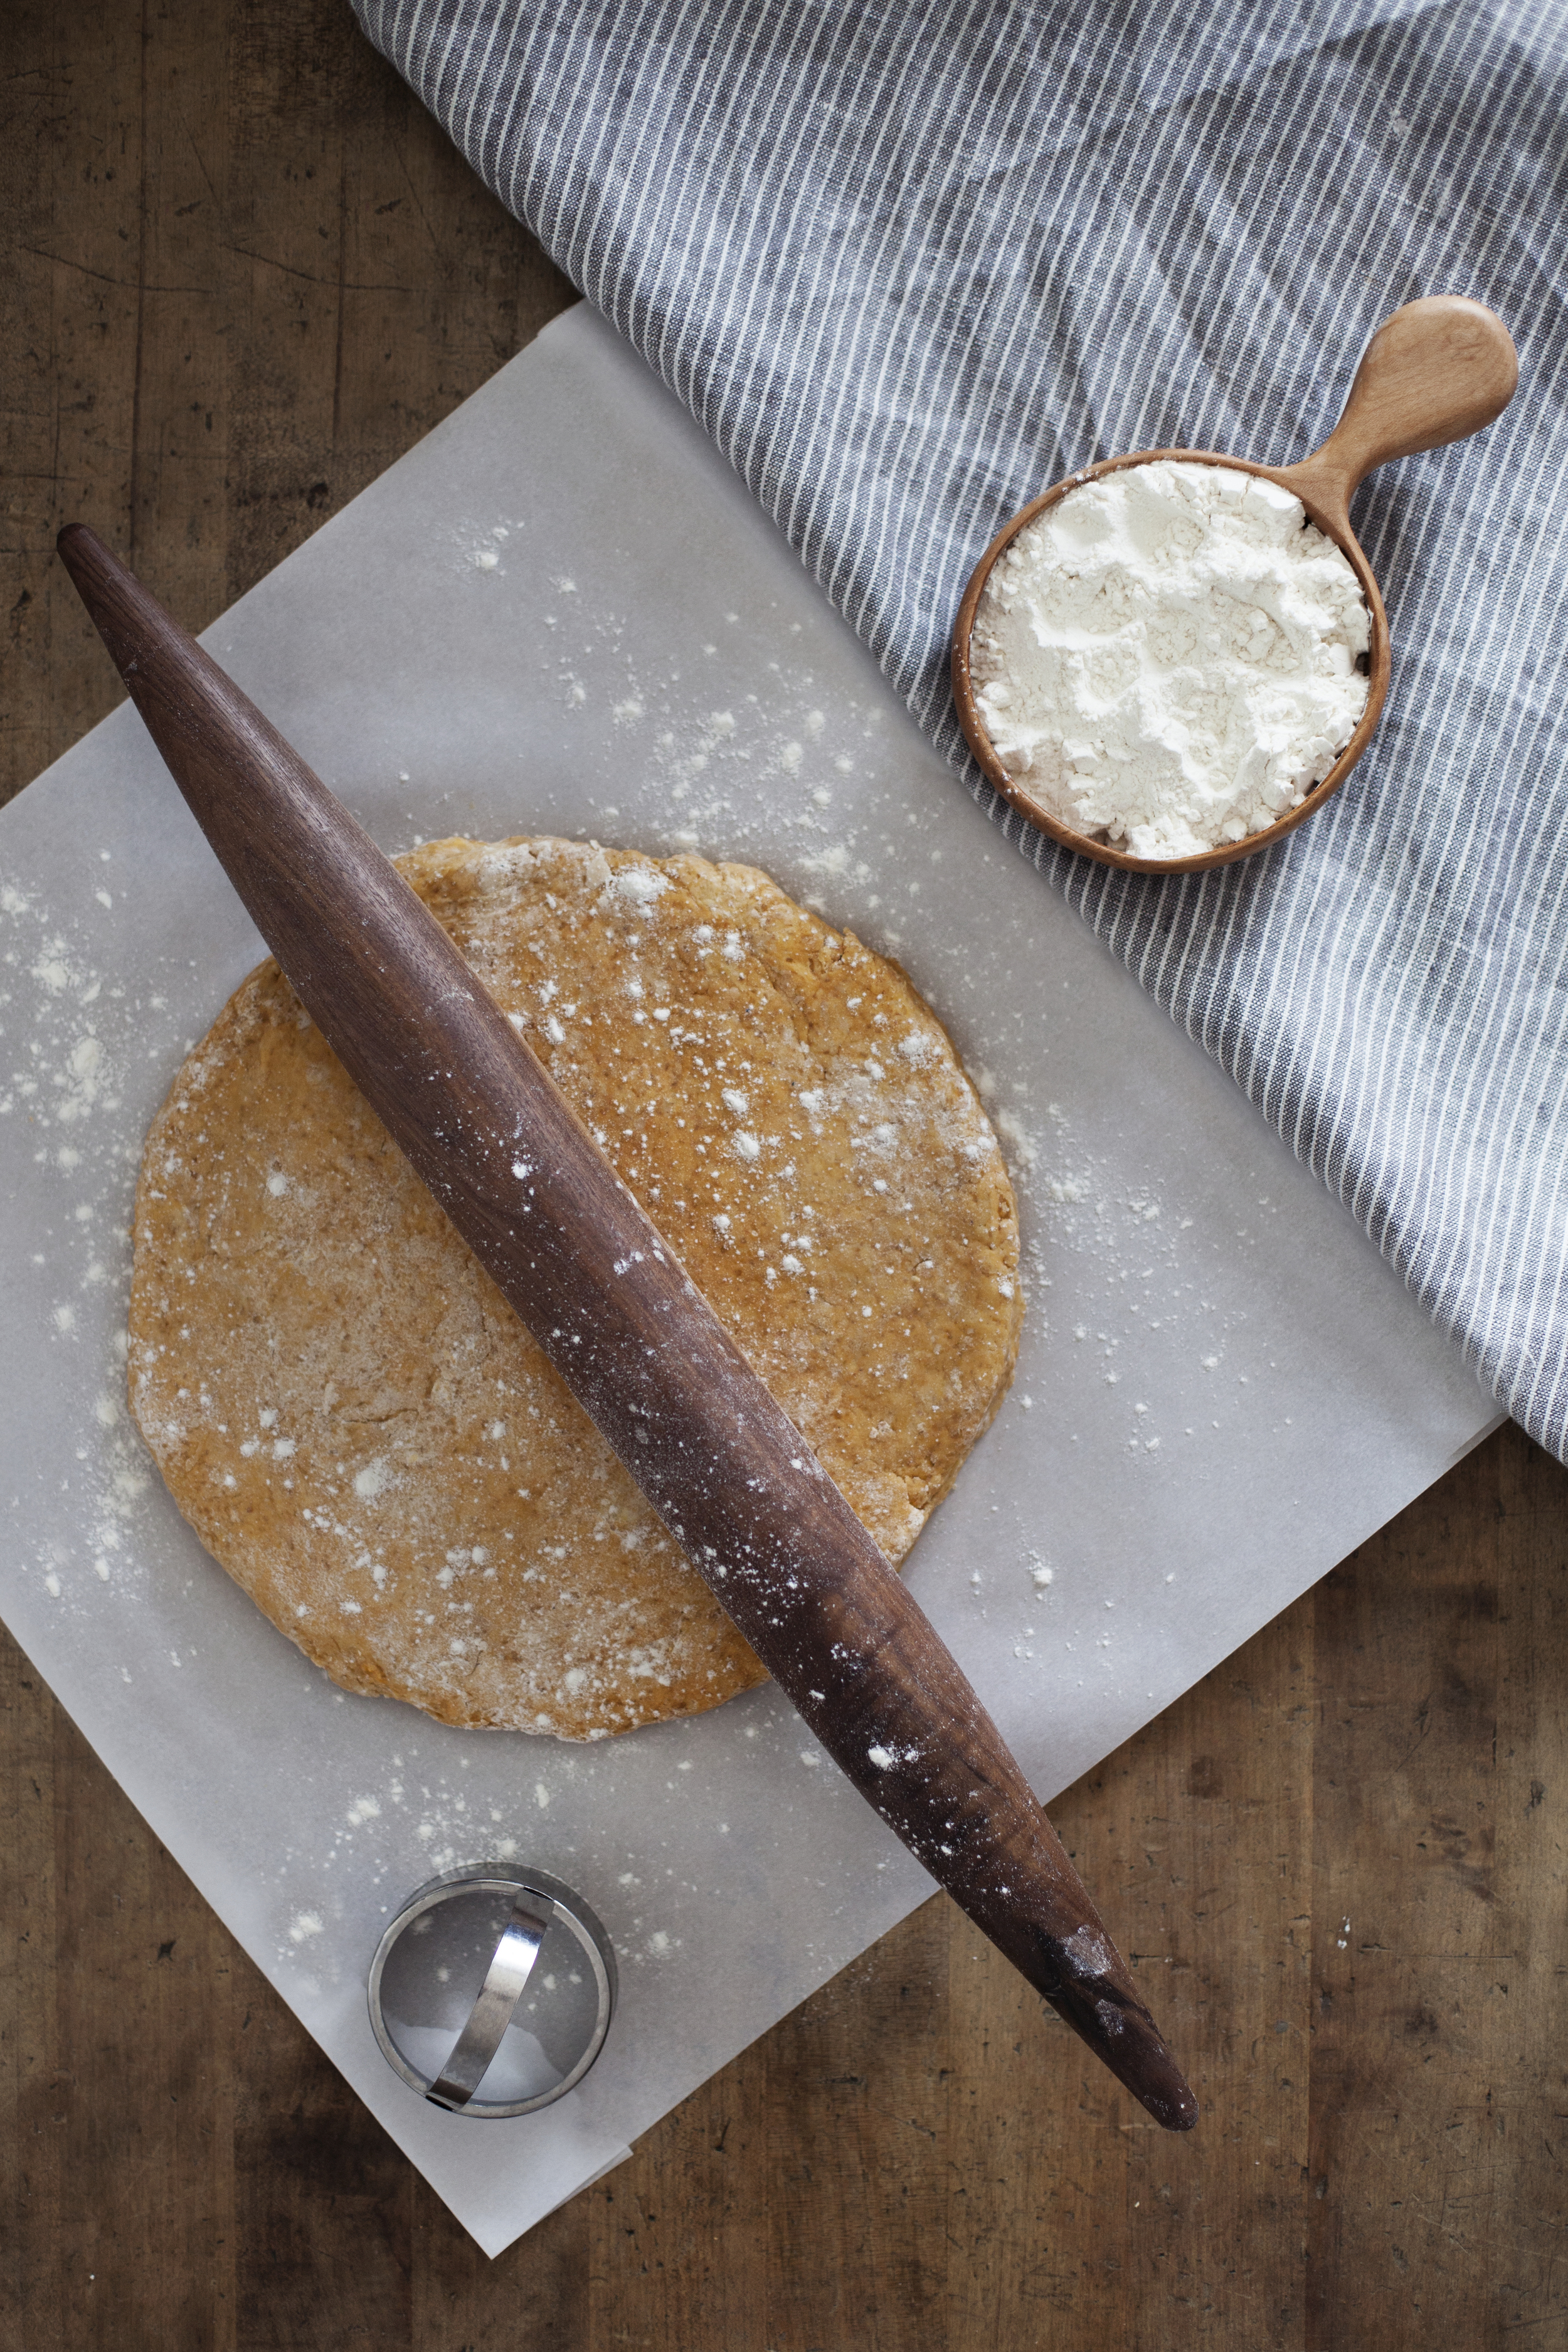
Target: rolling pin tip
x,y
1158,2084
1122,2032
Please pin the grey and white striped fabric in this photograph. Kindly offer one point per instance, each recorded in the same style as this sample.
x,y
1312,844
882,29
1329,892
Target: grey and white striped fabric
x,y
910,263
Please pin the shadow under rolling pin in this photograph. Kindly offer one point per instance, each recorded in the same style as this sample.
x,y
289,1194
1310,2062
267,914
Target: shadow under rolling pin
x,y
640,1348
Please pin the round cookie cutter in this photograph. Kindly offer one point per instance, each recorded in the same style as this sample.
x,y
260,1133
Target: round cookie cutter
x,y
491,1925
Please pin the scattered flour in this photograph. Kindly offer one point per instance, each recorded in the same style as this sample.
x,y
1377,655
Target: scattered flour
x,y
75,1034
1168,657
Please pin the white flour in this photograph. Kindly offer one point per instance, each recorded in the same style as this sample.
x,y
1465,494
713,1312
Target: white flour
x,y
1168,657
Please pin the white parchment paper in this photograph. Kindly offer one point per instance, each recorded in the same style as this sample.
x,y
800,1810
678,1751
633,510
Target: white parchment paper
x,y
561,614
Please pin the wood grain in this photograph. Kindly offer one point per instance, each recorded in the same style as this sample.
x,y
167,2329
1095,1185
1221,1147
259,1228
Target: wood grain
x,y
1441,368
244,273
178,2165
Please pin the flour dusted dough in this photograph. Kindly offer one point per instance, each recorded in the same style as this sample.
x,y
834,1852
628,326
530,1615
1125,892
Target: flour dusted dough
x,y
357,1425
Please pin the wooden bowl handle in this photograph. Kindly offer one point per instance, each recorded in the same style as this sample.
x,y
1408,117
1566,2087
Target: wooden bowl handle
x,y
1436,371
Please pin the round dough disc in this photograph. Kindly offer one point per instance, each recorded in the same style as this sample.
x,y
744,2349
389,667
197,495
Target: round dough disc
x,y
362,1432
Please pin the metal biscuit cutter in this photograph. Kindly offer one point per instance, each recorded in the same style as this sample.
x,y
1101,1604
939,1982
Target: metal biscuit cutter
x,y
545,1972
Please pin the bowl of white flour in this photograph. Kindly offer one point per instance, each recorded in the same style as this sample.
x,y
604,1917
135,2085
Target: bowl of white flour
x,y
1173,657
1165,663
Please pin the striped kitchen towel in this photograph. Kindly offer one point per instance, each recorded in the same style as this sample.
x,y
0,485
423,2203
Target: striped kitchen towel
x,y
909,263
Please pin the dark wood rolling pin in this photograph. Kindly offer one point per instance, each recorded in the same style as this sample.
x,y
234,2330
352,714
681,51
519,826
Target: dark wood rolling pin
x,y
630,1334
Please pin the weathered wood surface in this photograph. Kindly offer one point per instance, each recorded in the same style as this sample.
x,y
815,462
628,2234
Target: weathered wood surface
x,y
1350,1837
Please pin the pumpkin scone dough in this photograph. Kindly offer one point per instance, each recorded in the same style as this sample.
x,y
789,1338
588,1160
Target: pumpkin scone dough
x,y
362,1432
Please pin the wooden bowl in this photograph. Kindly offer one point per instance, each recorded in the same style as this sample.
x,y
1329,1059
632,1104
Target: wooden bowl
x,y
1436,371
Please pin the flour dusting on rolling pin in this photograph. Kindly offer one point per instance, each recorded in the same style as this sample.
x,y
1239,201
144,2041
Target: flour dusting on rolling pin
x,y
1171,657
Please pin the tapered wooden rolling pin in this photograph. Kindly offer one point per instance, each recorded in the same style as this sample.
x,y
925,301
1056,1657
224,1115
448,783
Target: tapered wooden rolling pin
x,y
634,1339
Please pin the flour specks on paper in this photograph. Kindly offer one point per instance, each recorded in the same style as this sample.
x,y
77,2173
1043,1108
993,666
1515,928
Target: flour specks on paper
x,y
69,1027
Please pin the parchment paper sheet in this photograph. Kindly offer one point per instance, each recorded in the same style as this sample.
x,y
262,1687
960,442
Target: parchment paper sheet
x,y
561,614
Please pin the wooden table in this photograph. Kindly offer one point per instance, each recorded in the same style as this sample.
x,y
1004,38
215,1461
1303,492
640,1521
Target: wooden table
x,y
249,272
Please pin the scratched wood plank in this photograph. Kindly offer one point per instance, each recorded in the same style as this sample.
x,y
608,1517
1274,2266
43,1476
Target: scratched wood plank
x,y
244,273
323,2202
70,294
1440,1928
1198,1835
917,2155
34,2248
